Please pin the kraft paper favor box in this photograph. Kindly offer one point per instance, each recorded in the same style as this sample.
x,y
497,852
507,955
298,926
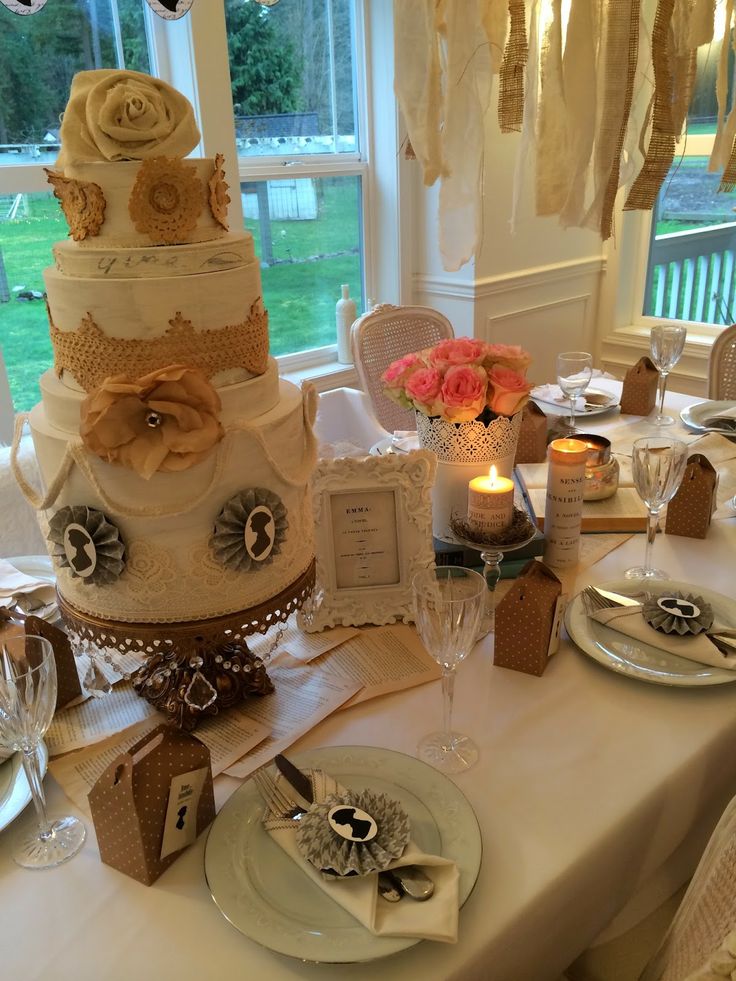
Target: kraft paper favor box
x,y
639,392
690,510
528,620
152,802
68,686
532,444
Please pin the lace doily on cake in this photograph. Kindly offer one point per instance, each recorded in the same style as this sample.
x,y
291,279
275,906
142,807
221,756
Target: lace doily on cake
x,y
91,356
82,202
166,200
219,199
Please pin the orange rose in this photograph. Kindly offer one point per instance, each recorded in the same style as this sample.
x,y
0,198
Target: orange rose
x,y
166,420
508,391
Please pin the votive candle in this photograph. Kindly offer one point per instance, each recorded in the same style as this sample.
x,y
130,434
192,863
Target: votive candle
x,y
490,503
563,509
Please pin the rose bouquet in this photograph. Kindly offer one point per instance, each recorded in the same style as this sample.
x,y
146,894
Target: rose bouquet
x,y
461,379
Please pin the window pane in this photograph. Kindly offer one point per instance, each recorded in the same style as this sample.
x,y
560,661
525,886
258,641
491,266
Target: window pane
x,y
307,234
40,55
691,266
29,225
292,73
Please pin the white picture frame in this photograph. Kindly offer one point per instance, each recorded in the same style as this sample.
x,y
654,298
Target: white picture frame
x,y
373,532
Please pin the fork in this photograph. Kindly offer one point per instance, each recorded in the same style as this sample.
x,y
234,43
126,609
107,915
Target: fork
x,y
274,797
593,601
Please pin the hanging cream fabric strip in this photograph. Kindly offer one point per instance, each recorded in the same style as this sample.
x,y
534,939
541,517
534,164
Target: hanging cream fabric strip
x,y
552,168
511,89
529,127
495,26
661,149
683,64
418,80
467,95
579,74
701,22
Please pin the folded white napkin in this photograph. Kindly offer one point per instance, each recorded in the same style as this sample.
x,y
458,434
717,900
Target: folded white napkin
x,y
628,620
553,393
434,919
27,591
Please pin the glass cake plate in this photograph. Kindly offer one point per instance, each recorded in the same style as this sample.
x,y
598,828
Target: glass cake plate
x,y
266,896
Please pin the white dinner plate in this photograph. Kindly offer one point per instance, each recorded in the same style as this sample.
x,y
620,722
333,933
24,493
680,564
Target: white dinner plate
x,y
562,405
627,656
265,896
696,416
390,444
14,790
40,567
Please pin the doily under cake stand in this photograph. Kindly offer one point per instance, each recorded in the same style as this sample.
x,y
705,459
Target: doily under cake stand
x,y
194,668
492,556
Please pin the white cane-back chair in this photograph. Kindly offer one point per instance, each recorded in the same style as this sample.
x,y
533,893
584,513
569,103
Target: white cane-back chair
x,y
700,938
722,366
381,336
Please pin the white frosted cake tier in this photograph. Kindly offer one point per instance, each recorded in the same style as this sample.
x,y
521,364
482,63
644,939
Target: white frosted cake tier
x,y
171,573
116,181
243,400
109,262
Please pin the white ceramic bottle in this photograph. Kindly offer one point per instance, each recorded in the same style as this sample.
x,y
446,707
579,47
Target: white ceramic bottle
x,y
345,314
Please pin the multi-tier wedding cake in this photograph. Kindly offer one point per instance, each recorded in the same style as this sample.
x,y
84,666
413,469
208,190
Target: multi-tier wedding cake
x,y
175,461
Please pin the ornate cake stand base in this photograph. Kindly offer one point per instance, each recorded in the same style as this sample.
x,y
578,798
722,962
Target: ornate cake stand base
x,y
193,668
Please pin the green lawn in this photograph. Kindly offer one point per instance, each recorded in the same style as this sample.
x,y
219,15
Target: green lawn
x,y
313,258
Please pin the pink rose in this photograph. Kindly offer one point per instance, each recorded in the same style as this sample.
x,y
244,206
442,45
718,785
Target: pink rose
x,y
395,377
456,351
508,356
463,393
423,388
508,390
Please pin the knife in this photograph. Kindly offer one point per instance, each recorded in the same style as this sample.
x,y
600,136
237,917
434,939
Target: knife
x,y
409,879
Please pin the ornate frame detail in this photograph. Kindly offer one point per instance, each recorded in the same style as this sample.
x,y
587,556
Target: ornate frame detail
x,y
406,541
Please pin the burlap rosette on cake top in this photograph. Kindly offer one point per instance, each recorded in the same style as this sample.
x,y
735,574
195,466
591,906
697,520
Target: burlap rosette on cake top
x,y
435,919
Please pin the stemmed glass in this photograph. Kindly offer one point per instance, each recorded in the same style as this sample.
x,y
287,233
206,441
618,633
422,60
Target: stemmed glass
x,y
658,466
666,345
27,702
448,603
574,371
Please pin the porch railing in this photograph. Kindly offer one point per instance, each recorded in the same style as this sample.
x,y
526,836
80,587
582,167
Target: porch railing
x,y
692,275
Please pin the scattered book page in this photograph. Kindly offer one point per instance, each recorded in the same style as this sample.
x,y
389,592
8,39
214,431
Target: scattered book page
x,y
303,697
97,719
380,660
303,647
228,736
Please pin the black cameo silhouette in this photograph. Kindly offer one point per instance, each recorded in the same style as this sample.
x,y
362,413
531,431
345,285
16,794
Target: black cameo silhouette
x,y
678,606
26,3
78,540
258,523
182,811
170,5
359,829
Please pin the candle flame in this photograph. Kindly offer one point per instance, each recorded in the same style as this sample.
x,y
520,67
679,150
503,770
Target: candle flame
x,y
493,474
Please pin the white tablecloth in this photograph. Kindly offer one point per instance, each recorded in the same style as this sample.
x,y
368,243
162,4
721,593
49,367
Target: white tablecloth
x,y
590,786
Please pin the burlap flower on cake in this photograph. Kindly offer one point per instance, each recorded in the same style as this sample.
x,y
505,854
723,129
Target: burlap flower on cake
x,y
122,115
82,202
166,200
86,542
165,421
219,198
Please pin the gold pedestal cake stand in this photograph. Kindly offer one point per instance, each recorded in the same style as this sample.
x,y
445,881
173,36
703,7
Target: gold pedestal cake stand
x,y
193,668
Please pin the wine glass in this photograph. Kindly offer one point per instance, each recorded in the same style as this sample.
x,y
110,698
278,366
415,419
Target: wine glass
x,y
27,703
448,603
666,345
574,371
658,465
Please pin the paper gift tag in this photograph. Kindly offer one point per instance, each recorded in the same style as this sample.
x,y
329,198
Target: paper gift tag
x,y
554,637
180,826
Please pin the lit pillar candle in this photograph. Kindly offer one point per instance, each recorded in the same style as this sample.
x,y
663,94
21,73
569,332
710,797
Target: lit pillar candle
x,y
490,503
564,504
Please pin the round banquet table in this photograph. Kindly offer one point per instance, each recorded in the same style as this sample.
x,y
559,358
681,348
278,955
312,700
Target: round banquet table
x,y
591,789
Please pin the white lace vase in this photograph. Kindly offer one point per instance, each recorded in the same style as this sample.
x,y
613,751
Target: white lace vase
x,y
465,450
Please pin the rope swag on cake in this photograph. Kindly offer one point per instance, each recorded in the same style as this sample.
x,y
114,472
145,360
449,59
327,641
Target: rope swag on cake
x,y
178,653
86,542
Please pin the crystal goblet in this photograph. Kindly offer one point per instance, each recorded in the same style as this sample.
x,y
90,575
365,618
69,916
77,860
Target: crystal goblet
x,y
448,603
658,466
27,702
666,344
574,371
